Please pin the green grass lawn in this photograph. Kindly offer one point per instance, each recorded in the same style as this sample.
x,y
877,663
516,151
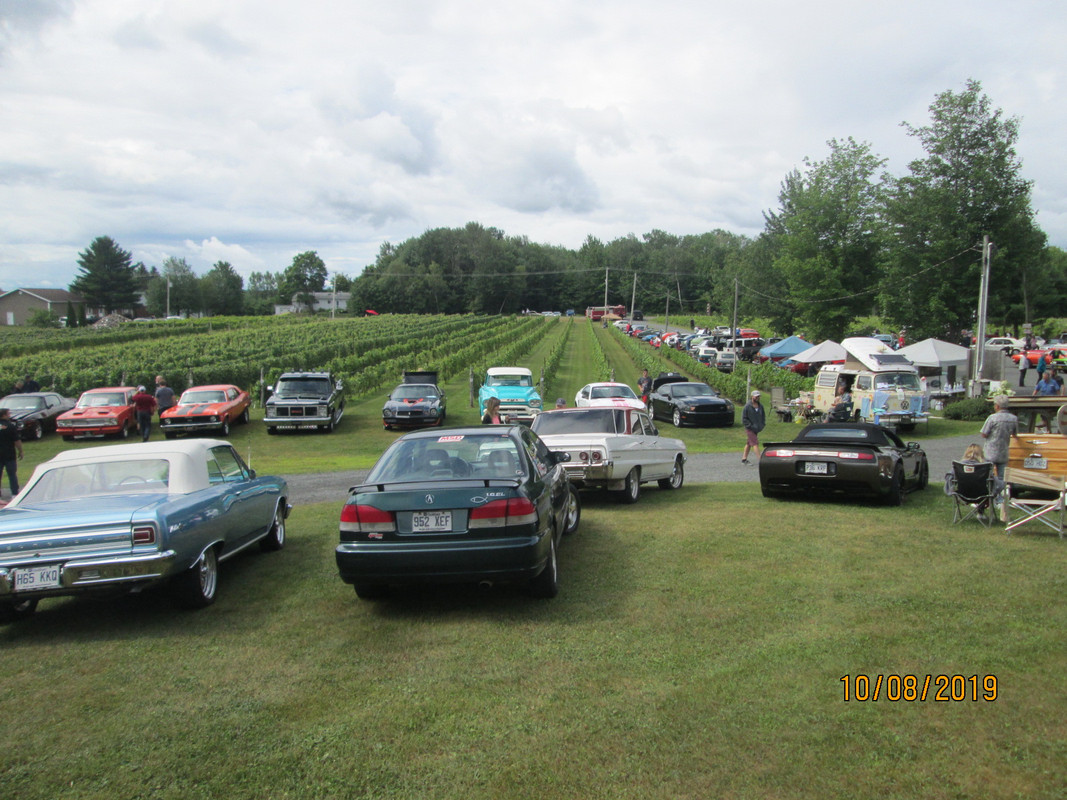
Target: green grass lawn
x,y
696,650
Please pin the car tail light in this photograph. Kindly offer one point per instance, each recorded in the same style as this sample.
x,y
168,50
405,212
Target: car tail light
x,y
854,456
591,456
778,453
366,519
144,534
498,513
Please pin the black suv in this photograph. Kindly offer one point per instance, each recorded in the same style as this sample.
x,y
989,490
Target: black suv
x,y
302,400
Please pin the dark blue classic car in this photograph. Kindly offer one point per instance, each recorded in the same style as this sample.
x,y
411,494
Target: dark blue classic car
x,y
486,504
119,518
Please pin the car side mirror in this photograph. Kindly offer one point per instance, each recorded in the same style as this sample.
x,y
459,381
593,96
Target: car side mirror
x,y
251,473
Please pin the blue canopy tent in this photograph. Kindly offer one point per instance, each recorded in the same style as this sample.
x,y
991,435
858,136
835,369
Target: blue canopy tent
x,y
787,348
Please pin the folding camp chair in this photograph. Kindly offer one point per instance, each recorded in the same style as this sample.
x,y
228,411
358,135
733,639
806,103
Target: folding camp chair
x,y
1048,504
973,489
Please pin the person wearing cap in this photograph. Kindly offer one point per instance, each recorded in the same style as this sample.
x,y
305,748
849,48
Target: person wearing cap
x,y
754,418
561,403
145,404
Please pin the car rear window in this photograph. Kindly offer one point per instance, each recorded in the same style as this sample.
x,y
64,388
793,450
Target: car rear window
x,y
104,478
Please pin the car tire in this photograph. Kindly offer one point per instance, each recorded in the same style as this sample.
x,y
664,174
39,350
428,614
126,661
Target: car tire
x,y
197,586
676,418
573,512
371,591
924,475
896,488
546,584
38,431
225,427
168,435
125,432
631,492
275,538
68,438
245,416
328,427
14,610
676,478
271,430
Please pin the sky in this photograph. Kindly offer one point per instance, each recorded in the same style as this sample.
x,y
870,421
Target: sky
x,y
249,132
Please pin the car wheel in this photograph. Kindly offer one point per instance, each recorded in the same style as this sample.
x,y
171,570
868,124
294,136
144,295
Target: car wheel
x,y
573,513
271,430
632,490
676,478
225,427
197,586
547,583
896,488
275,539
388,427
125,432
924,475
244,416
38,431
677,418
15,610
371,591
68,438
328,427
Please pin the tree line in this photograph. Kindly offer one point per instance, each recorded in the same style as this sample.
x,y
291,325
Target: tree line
x,y
848,240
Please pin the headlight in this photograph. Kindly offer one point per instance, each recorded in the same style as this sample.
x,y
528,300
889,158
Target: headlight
x,y
433,412
322,411
271,411
536,403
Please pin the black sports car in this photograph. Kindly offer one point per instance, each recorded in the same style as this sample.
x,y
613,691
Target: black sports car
x,y
685,402
36,412
844,458
416,402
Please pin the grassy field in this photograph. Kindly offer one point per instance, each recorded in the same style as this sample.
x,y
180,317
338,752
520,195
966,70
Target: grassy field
x,y
696,650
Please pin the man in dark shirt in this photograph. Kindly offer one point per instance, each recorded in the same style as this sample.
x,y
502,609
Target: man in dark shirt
x,y
145,405
164,395
10,445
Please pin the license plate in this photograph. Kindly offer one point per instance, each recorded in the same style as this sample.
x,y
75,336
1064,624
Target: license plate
x,y
815,467
1035,462
431,521
30,578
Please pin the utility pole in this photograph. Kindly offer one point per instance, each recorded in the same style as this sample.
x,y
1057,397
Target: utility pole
x,y
983,310
733,330
667,313
605,292
633,296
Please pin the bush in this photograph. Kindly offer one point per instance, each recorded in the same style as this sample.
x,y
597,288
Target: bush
x,y
969,408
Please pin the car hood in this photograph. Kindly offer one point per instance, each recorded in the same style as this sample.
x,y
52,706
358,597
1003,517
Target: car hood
x,y
702,400
194,410
94,412
420,402
512,392
21,413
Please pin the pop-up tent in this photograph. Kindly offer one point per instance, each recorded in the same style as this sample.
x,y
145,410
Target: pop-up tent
x,y
824,351
941,363
786,348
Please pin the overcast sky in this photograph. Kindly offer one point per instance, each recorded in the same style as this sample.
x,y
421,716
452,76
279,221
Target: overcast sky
x,y
252,131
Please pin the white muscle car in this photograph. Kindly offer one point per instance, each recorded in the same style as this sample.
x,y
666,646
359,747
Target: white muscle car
x,y
613,448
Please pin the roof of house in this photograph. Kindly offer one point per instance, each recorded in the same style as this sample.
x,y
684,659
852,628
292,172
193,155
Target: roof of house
x,y
48,295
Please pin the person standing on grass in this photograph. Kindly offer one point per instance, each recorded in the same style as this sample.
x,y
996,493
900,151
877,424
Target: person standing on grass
x,y
145,404
998,430
164,395
754,418
644,386
10,449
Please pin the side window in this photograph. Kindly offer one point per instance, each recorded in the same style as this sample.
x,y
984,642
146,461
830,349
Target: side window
x,y
646,426
228,466
863,383
538,453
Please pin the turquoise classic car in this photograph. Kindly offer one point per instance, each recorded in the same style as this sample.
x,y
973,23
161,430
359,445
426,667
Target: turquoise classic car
x,y
515,389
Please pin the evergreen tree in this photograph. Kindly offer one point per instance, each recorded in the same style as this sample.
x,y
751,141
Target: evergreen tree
x,y
107,279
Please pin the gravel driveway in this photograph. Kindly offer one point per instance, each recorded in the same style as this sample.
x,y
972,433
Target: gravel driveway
x,y
700,468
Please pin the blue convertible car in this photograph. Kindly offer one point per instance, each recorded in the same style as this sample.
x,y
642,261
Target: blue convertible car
x,y
121,517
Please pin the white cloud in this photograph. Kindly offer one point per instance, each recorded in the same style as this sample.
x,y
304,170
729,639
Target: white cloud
x,y
249,132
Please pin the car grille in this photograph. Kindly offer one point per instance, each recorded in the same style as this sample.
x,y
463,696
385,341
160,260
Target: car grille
x,y
197,420
87,423
296,412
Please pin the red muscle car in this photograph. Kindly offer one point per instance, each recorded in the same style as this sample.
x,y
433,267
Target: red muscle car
x,y
98,413
206,408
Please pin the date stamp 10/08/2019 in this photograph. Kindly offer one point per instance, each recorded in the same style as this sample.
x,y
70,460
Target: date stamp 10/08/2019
x,y
919,688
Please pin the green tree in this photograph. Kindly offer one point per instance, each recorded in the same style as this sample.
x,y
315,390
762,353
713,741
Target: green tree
x,y
968,185
306,275
261,293
183,294
829,237
107,279
222,290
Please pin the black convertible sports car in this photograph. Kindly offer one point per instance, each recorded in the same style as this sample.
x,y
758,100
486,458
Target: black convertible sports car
x,y
685,402
845,458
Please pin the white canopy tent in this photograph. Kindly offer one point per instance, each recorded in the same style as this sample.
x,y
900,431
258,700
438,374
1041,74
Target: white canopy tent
x,y
824,351
942,363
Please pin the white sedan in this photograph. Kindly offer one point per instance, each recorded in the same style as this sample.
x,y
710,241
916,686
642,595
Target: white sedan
x,y
607,395
612,448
